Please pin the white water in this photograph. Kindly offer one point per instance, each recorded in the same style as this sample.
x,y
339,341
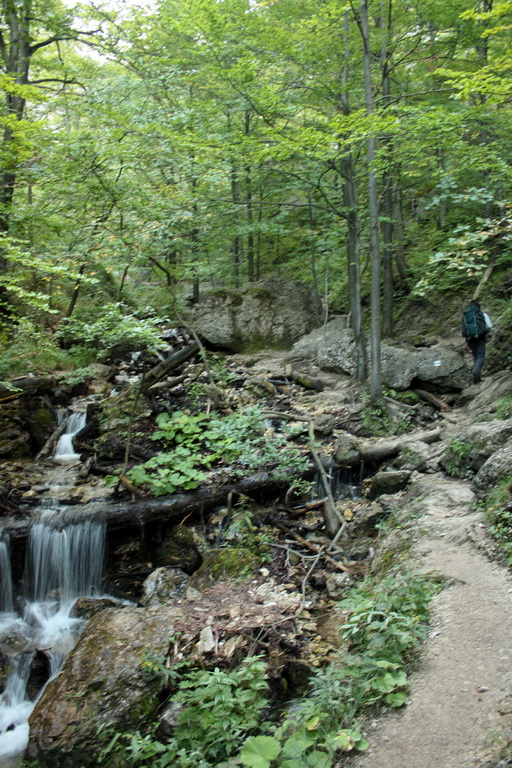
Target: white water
x,y
64,561
5,579
65,451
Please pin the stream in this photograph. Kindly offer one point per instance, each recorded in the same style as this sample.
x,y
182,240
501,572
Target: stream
x,y
64,560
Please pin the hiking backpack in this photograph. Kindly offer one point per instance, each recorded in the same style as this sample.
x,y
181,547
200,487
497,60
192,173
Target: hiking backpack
x,y
473,323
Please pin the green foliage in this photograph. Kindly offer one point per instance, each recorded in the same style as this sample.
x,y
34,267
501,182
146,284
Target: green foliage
x,y
219,709
467,255
199,441
29,349
375,419
115,330
455,458
498,513
386,621
504,409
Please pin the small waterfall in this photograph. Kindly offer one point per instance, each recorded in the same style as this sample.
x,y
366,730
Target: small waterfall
x,y
65,451
64,561
344,483
6,604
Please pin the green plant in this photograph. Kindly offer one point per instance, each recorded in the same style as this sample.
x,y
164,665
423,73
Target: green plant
x,y
29,349
219,709
115,329
198,441
455,458
385,621
498,513
376,421
504,409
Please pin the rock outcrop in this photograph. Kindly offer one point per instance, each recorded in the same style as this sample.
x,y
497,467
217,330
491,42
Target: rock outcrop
x,y
332,347
271,313
105,680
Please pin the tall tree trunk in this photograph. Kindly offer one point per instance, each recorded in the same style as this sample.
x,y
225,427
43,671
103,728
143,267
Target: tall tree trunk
x,y
375,325
387,180
351,212
249,207
312,250
485,6
236,249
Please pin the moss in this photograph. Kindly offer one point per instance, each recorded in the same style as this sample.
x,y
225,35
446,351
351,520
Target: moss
x,y
179,549
228,562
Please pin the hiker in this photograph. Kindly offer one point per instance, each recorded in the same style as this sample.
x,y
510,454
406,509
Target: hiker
x,y
475,325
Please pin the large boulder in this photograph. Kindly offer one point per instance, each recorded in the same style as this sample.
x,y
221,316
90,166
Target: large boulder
x,y
270,313
332,348
104,680
497,467
468,452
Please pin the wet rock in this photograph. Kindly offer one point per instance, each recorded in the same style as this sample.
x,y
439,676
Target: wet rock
x,y
222,563
179,549
346,452
87,607
101,371
164,585
385,482
104,680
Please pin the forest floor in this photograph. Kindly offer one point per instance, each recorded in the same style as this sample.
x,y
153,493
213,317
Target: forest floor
x,y
460,709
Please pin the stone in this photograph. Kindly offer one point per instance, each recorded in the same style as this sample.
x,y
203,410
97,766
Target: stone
x,y
468,451
346,452
413,457
164,585
105,679
385,482
497,467
332,348
180,549
270,313
338,584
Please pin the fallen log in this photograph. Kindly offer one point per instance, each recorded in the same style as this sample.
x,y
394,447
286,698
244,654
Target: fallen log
x,y
376,452
120,514
171,362
26,384
432,399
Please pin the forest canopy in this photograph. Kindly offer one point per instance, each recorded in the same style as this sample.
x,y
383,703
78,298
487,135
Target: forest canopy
x,y
149,153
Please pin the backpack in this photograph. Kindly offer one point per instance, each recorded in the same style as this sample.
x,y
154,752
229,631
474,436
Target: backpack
x,y
473,323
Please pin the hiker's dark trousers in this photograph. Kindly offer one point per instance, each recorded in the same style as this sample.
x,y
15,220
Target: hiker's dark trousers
x,y
477,347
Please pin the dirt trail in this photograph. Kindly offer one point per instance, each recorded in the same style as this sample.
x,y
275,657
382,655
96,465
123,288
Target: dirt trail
x,y
461,695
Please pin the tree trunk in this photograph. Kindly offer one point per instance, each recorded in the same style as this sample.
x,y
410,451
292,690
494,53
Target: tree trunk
x,y
249,208
375,325
351,213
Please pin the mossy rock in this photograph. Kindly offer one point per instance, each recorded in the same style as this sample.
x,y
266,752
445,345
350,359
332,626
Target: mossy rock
x,y
179,549
227,562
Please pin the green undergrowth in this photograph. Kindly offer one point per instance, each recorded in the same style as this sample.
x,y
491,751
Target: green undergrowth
x,y
224,717
196,443
498,513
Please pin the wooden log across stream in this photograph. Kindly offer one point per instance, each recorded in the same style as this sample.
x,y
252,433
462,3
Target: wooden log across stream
x,y
119,514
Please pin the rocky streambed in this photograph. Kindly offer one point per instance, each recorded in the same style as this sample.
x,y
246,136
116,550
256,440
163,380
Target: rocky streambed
x,y
228,570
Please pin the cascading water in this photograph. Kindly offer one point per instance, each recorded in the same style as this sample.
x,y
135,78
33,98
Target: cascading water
x,y
64,561
65,451
6,605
